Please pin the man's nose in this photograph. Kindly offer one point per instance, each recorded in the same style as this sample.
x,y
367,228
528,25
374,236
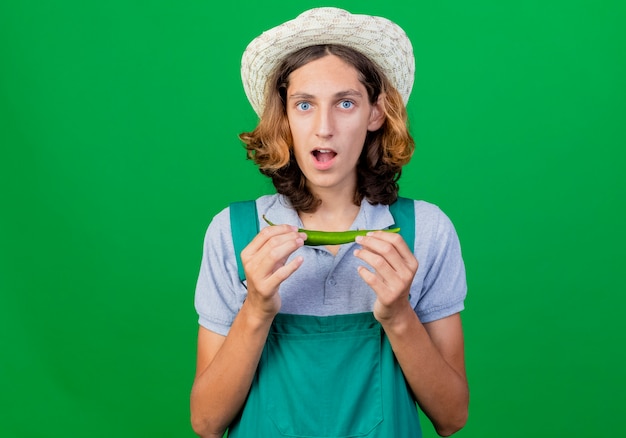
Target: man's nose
x,y
324,122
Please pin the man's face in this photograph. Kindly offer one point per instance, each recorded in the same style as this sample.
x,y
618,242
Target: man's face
x,y
329,115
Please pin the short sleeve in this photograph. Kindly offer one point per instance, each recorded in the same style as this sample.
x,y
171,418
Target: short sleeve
x,y
440,287
219,293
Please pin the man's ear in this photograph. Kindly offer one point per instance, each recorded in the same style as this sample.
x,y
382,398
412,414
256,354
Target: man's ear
x,y
377,115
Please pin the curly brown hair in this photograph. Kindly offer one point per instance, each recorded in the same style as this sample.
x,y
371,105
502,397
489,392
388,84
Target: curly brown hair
x,y
384,153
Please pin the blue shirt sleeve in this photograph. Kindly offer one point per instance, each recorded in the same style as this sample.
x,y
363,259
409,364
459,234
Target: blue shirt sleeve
x,y
440,287
219,292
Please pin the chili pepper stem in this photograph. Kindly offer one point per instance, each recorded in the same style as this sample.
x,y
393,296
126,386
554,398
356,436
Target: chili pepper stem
x,y
268,221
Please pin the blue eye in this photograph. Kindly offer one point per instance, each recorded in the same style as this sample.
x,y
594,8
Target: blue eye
x,y
346,104
304,106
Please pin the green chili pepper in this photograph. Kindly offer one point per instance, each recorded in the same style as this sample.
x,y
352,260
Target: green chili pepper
x,y
317,238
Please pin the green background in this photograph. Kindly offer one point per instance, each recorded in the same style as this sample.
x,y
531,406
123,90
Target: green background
x,y
118,131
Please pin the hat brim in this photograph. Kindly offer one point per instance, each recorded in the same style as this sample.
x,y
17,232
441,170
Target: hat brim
x,y
381,40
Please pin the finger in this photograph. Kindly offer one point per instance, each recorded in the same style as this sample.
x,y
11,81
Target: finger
x,y
393,249
261,262
266,234
382,277
387,291
371,279
378,263
268,286
393,274
394,239
272,255
270,238
284,272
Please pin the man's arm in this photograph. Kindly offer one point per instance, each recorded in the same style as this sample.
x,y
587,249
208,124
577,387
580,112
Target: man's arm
x,y
432,359
224,372
226,365
431,355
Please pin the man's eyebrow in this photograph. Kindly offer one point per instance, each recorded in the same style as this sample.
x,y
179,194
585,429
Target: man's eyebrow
x,y
349,93
301,96
338,95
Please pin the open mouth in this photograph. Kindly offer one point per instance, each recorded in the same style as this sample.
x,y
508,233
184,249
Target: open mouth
x,y
324,155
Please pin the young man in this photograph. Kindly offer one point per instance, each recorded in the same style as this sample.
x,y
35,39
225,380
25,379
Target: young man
x,y
337,340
